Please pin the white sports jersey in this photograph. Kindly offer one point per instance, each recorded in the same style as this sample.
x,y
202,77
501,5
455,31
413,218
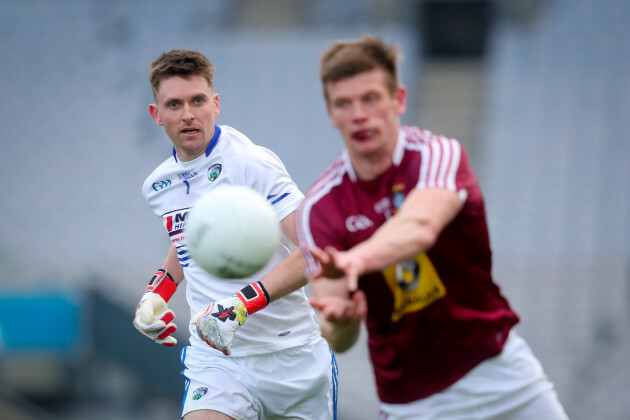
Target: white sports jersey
x,y
172,190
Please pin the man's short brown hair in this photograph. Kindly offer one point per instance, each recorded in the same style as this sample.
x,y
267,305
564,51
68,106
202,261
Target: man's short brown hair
x,y
182,63
344,59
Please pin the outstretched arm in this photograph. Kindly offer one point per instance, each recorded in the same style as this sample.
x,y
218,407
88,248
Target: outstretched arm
x,y
413,230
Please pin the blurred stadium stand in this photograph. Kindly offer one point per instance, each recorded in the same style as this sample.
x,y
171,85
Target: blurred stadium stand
x,y
537,90
68,352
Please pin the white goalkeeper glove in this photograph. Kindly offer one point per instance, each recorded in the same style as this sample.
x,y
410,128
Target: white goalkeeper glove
x,y
217,323
153,318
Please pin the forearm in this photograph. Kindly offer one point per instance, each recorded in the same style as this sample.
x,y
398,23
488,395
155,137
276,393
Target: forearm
x,y
413,230
395,241
286,277
172,265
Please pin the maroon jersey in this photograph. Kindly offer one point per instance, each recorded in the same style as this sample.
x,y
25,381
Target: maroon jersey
x,y
433,318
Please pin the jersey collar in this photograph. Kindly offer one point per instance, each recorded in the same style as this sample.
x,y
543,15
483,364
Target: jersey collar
x,y
211,145
399,149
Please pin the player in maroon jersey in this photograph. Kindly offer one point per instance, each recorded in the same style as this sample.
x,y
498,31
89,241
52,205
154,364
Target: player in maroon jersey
x,y
400,218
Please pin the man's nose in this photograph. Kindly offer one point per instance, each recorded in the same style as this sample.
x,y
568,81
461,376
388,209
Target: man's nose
x,y
187,115
358,111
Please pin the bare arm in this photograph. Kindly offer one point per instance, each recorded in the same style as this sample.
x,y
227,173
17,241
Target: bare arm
x,y
287,276
172,266
414,229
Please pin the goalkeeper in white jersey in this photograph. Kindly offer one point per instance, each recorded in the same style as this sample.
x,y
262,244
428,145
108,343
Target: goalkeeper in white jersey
x,y
269,359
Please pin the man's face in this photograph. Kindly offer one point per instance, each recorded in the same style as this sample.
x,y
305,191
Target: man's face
x,y
366,112
187,109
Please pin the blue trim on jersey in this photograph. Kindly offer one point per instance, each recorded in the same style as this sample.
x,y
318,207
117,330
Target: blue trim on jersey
x,y
269,197
187,382
214,141
335,382
211,145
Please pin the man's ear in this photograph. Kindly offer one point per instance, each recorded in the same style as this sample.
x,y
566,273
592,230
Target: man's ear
x,y
217,105
401,98
155,113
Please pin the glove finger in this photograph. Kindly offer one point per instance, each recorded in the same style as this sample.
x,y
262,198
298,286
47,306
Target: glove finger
x,y
141,328
196,316
154,329
170,329
167,316
167,341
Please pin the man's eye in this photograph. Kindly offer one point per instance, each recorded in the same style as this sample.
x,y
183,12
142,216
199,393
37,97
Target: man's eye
x,y
199,100
173,105
343,104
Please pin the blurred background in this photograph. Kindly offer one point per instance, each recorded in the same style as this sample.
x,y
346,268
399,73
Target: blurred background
x,y
537,90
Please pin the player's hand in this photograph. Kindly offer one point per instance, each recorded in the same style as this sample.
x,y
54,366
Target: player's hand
x,y
342,311
155,320
217,323
153,317
335,264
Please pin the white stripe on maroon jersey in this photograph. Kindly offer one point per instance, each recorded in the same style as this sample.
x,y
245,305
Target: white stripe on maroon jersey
x,y
440,162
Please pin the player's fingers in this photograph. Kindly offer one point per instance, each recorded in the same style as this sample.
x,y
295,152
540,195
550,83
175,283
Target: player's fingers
x,y
170,329
316,303
167,341
331,252
316,274
196,316
352,279
155,328
167,316
319,255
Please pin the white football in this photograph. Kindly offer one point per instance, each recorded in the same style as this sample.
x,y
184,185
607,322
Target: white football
x,y
232,232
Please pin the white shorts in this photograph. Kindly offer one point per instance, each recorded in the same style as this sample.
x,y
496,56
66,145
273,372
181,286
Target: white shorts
x,y
296,383
510,386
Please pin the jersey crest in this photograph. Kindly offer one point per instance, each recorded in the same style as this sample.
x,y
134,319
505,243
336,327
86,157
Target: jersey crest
x,y
415,285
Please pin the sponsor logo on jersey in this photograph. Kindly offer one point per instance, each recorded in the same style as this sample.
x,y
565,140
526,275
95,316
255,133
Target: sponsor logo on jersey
x,y
175,225
187,175
415,284
199,392
358,222
160,185
214,171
